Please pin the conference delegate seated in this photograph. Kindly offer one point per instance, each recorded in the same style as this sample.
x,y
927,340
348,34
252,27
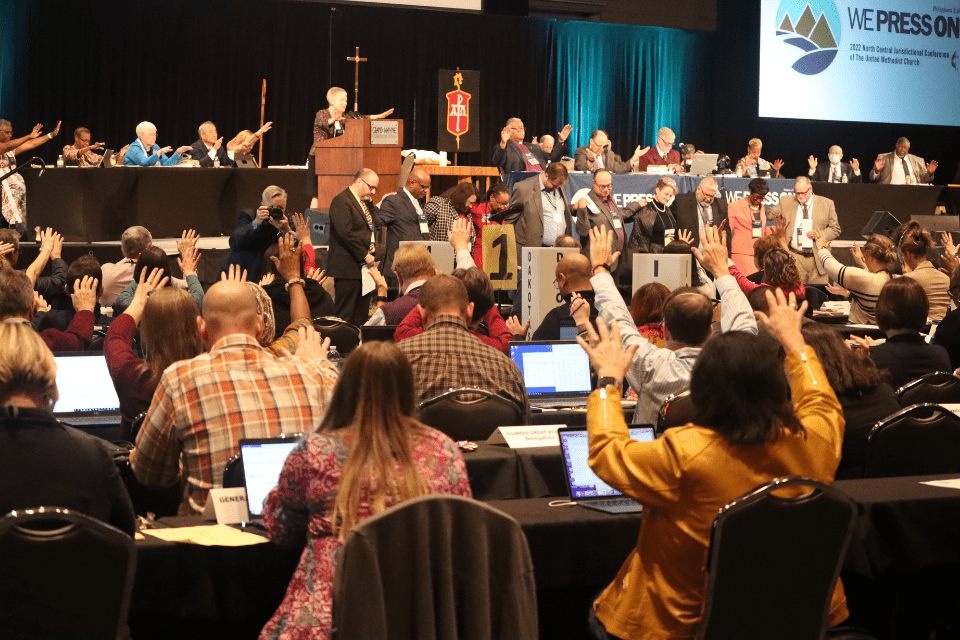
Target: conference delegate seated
x,y
864,396
646,309
370,453
914,242
757,419
45,463
277,287
779,271
145,152
901,314
864,283
153,257
948,331
19,303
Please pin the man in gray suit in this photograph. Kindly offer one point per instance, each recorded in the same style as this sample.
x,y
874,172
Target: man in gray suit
x,y
598,155
598,208
402,214
900,167
801,215
545,213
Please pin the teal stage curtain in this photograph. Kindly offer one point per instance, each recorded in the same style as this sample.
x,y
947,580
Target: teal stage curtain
x,y
13,44
628,81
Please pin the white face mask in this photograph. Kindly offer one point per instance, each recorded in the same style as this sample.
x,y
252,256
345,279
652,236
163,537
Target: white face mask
x,y
834,158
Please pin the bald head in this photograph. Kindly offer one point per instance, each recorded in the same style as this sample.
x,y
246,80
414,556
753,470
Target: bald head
x,y
418,182
573,273
229,307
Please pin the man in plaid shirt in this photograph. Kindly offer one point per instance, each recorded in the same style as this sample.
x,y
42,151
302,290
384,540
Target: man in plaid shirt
x,y
204,406
446,356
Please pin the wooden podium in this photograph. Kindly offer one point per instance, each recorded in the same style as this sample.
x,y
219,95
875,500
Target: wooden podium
x,y
371,144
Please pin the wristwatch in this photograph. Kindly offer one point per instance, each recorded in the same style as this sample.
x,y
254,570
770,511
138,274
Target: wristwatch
x,y
604,381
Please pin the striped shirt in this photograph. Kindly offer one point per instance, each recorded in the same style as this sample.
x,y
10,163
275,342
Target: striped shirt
x,y
864,287
204,406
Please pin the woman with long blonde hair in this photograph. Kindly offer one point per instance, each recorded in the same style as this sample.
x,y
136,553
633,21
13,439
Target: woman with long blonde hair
x,y
369,454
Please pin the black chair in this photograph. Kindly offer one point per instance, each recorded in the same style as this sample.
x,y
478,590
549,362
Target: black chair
x,y
938,387
130,433
470,413
676,411
343,335
65,575
774,561
233,476
815,299
919,440
465,572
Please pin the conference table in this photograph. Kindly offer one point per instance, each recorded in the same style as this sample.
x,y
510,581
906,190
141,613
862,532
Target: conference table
x,y
855,202
97,204
902,526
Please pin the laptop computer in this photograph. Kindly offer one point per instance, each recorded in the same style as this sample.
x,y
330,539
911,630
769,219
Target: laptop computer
x,y
263,460
382,333
555,372
583,485
105,160
703,164
245,161
87,394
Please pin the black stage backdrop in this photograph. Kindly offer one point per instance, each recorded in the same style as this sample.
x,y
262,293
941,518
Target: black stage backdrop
x,y
107,65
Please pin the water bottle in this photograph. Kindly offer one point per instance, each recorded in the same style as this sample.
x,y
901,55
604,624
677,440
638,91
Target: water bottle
x,y
334,356
216,162
739,170
60,161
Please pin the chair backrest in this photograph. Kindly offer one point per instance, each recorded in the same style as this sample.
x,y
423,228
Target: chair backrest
x,y
465,572
937,387
64,575
233,476
815,299
676,411
470,413
343,335
919,440
774,562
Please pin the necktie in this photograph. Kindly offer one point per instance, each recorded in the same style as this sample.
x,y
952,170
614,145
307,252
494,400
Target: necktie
x,y
906,169
836,174
366,214
806,216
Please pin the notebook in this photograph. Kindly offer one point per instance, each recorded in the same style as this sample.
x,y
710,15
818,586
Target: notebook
x,y
87,394
263,460
555,372
583,485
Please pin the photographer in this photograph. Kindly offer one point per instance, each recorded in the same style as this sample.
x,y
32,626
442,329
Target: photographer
x,y
256,230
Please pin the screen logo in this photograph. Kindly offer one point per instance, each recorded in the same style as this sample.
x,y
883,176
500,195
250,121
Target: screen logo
x,y
813,26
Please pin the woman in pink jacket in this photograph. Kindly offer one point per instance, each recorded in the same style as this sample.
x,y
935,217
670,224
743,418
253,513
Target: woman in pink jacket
x,y
748,221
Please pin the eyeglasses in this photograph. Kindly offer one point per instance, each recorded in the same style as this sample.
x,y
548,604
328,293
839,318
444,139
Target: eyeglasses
x,y
803,193
372,188
604,186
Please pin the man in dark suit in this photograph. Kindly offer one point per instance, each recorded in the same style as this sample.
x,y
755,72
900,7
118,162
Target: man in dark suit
x,y
598,208
598,155
694,210
352,246
512,154
834,170
402,215
210,148
545,212
255,231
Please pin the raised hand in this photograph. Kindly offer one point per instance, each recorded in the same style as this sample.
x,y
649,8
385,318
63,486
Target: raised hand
x,y
714,255
783,319
878,164
579,310
837,290
188,261
459,234
317,274
858,256
932,166
601,247
504,137
685,235
563,133
188,240
607,355
39,304
303,227
234,274
311,344
84,294
516,328
812,162
288,263
267,279
855,164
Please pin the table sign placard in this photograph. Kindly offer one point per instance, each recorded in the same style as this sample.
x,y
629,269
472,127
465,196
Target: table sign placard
x,y
385,132
538,293
500,255
541,435
230,505
444,257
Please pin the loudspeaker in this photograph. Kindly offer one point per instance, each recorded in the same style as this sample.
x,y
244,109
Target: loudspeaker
x,y
507,7
883,223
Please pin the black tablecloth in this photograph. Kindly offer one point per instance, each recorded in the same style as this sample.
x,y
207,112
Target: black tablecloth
x,y
498,472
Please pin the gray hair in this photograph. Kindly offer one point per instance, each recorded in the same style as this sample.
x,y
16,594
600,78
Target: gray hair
x,y
547,137
801,181
664,131
708,181
144,127
510,122
272,192
899,140
134,240
755,142
333,92
203,127
7,122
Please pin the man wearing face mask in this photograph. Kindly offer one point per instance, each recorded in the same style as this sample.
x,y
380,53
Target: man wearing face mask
x,y
352,245
834,170
901,167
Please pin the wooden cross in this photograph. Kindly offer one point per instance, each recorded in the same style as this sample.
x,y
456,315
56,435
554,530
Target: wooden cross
x,y
356,76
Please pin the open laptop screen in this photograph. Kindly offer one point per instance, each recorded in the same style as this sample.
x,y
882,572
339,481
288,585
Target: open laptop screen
x,y
262,462
552,368
581,479
84,384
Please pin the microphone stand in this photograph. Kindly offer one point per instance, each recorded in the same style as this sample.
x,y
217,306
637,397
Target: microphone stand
x,y
29,163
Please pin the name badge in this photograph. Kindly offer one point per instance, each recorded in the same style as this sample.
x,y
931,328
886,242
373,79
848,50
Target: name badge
x,y
617,224
531,159
669,235
424,227
558,218
757,229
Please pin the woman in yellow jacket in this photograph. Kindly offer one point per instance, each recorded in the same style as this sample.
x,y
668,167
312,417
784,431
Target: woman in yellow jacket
x,y
751,433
